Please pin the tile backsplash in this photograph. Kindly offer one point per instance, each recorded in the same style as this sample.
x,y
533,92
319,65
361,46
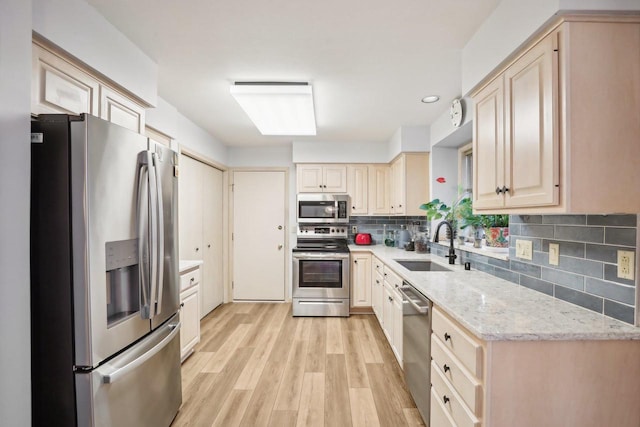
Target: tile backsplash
x,y
586,274
375,225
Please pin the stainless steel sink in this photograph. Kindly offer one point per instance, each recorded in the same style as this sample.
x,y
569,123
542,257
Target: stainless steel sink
x,y
413,265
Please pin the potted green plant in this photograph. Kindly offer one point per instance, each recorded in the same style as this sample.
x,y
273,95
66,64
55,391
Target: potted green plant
x,y
496,230
437,209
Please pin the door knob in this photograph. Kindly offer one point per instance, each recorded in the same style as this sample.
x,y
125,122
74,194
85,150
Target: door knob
x,y
279,247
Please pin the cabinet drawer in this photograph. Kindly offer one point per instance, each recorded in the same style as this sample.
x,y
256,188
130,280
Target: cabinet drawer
x,y
466,348
439,415
189,279
391,277
451,400
463,382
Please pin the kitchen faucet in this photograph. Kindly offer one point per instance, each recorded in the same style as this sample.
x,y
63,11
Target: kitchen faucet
x,y
452,253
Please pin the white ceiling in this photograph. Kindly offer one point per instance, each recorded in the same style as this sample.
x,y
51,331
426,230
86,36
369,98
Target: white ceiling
x,y
370,61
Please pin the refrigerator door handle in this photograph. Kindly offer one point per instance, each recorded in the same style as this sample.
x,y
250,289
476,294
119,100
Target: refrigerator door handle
x,y
123,371
153,233
143,234
160,235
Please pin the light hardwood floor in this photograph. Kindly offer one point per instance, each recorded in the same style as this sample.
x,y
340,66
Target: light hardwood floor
x,y
256,365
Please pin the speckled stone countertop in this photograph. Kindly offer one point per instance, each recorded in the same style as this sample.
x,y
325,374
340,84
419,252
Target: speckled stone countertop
x,y
497,310
188,264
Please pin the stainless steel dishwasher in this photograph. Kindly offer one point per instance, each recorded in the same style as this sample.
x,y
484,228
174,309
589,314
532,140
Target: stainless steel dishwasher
x,y
416,342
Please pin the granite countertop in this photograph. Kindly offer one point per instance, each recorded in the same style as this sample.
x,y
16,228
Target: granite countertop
x,y
494,309
188,264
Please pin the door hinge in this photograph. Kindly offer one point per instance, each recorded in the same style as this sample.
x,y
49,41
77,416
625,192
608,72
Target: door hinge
x,y
232,237
232,285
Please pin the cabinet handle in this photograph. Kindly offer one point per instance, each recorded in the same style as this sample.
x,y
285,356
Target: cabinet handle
x,y
353,207
446,368
279,227
445,399
355,261
447,337
209,245
181,304
505,189
320,185
390,299
279,247
197,249
324,186
378,282
193,279
399,206
498,190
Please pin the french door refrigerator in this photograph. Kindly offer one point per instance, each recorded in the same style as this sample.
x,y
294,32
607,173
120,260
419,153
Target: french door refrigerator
x,y
104,276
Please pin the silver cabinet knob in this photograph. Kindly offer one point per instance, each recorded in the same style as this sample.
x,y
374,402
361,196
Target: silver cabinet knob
x,y
280,247
279,227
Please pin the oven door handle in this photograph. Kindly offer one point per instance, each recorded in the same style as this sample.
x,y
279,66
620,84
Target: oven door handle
x,y
320,255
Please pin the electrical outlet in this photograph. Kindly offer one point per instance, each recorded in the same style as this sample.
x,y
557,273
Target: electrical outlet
x,y
554,253
626,266
354,229
524,249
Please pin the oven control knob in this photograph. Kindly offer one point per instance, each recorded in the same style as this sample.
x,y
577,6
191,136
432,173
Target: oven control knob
x,y
333,230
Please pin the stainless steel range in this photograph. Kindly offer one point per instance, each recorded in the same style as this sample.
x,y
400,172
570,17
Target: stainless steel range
x,y
321,271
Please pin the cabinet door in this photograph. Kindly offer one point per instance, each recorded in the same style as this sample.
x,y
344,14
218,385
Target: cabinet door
x,y
309,178
376,295
121,110
190,319
334,179
357,187
379,194
398,191
531,143
488,146
397,326
212,289
361,280
59,87
387,312
190,208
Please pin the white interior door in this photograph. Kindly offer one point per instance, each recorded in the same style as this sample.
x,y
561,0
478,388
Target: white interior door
x,y
259,215
212,294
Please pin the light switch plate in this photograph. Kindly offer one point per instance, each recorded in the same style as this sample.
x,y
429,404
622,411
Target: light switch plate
x,y
626,264
554,253
524,249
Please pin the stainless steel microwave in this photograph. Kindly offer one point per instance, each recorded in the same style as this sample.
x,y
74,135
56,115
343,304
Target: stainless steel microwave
x,y
322,208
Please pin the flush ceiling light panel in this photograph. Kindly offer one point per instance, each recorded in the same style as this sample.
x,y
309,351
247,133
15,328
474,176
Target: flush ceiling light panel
x,y
277,108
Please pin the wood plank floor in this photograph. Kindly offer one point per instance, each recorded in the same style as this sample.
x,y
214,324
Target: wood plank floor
x,y
256,365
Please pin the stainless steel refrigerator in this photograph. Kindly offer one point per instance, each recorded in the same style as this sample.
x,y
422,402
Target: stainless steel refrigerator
x,y
104,275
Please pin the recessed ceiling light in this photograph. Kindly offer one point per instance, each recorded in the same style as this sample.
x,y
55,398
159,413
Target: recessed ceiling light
x,y
430,99
277,108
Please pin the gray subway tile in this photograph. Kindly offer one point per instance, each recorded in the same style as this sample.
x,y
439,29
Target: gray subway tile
x,y
619,311
525,268
611,273
525,219
536,284
542,231
581,266
563,278
506,275
514,229
540,258
614,220
574,249
564,219
498,262
610,290
579,234
483,267
604,253
620,236
587,301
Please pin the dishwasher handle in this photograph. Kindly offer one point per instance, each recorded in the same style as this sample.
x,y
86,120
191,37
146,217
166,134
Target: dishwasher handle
x,y
422,309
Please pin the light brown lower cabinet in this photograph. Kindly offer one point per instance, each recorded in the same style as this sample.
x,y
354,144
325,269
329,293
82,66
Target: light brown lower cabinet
x,y
476,383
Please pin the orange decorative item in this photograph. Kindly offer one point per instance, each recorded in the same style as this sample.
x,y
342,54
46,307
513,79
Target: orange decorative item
x,y
497,237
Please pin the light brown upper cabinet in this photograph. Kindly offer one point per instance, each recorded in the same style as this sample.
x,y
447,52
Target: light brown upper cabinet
x,y
322,178
357,187
379,189
409,183
557,129
59,84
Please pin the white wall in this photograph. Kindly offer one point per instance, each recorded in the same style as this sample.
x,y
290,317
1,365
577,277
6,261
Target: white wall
x,y
164,118
195,138
339,152
80,30
512,23
15,347
415,139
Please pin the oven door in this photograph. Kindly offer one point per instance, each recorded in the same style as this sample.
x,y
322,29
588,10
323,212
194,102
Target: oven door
x,y
320,275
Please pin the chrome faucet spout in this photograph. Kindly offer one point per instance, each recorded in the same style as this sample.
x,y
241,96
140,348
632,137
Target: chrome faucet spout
x,y
452,252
